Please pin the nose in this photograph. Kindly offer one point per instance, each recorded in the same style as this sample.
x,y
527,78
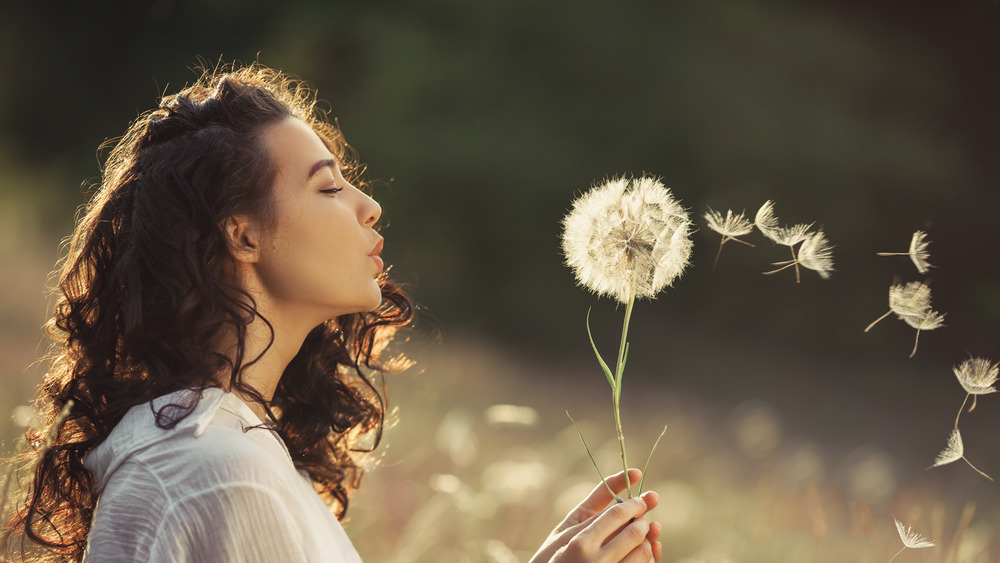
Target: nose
x,y
369,211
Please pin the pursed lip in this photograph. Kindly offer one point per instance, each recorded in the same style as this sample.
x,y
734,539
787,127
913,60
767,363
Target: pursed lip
x,y
378,247
379,264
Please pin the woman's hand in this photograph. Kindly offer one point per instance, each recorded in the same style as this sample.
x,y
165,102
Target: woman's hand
x,y
592,534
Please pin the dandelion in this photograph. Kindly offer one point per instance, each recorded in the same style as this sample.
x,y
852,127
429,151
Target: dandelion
x,y
910,539
929,320
954,451
978,377
730,227
626,239
918,252
768,225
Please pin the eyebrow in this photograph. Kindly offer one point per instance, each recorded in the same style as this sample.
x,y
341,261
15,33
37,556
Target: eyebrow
x,y
321,164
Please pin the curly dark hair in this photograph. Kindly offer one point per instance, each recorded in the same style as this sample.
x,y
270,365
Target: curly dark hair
x,y
147,286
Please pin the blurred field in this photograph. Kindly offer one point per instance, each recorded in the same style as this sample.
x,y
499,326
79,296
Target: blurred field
x,y
739,480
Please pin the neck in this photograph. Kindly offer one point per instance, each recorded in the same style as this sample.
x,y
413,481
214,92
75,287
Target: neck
x,y
269,358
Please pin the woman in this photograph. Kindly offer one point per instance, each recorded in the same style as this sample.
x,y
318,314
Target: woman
x,y
221,302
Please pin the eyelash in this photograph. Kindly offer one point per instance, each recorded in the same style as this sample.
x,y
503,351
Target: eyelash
x,y
332,191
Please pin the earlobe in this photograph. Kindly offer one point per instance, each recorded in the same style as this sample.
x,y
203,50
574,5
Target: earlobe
x,y
241,235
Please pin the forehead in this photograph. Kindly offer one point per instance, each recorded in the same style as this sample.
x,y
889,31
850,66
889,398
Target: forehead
x,y
294,147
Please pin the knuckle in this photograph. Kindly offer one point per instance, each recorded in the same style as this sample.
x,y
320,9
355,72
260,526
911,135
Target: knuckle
x,y
636,531
580,548
618,512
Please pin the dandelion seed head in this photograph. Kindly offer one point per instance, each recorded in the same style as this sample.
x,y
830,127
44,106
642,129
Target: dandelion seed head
x,y
954,451
918,251
977,376
817,254
627,235
730,226
911,539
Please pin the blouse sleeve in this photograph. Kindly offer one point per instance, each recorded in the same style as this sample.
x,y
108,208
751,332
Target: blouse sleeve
x,y
235,522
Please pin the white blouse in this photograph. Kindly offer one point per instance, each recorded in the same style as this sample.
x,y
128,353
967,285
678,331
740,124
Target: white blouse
x,y
206,491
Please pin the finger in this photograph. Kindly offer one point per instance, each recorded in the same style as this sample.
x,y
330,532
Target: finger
x,y
614,522
599,497
643,553
655,528
654,531
651,499
630,544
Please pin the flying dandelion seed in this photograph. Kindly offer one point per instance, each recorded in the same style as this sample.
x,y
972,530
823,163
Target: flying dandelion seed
x,y
954,451
765,220
910,538
627,237
918,252
910,300
978,377
730,227
817,254
768,225
929,320
790,236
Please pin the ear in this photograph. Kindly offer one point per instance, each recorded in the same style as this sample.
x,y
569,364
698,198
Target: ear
x,y
243,237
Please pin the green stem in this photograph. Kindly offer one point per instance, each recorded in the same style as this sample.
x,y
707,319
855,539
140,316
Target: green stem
x,y
619,371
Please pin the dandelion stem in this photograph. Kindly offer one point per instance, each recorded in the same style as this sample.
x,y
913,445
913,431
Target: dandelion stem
x,y
960,409
976,469
719,253
619,371
916,341
897,553
973,406
875,322
892,253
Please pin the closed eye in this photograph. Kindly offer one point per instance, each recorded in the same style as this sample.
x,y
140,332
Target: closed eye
x,y
331,191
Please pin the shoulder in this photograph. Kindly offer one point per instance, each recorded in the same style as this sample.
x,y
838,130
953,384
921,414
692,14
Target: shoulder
x,y
216,442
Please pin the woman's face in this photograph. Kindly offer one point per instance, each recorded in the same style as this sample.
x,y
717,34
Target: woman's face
x,y
319,259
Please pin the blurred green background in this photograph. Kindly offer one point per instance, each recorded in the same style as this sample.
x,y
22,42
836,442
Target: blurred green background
x,y
480,122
